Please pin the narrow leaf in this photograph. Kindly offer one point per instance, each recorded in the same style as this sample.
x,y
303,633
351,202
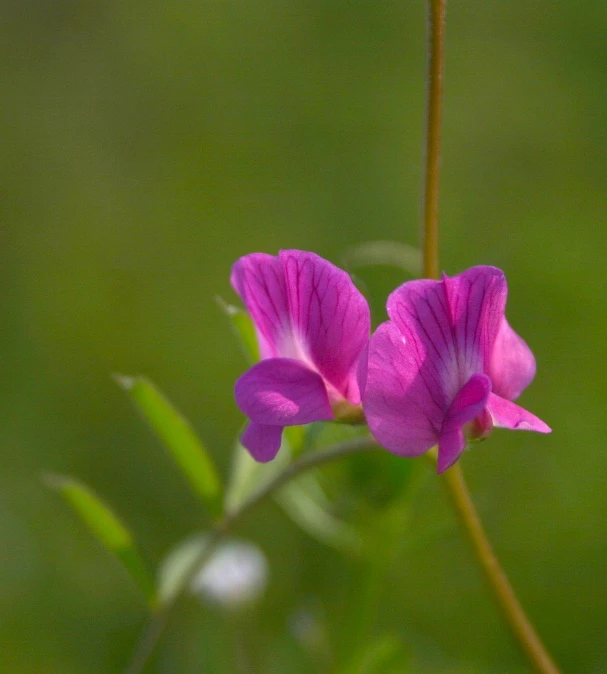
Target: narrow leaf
x,y
179,565
383,654
176,433
243,328
307,505
106,526
296,437
247,476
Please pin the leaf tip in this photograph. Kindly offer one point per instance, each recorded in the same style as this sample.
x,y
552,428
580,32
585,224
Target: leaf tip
x,y
54,481
125,382
227,309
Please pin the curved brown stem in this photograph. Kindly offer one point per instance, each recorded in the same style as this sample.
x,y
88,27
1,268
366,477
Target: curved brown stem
x,y
520,624
153,631
436,61
453,479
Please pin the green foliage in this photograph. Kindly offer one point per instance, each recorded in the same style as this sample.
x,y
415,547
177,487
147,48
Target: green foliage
x,y
179,565
108,528
382,655
146,146
306,503
176,433
247,476
302,499
299,437
243,328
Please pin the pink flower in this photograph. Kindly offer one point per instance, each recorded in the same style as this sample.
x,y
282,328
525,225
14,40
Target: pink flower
x,y
313,326
446,366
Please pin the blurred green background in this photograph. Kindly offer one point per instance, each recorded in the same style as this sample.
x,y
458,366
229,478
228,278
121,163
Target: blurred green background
x,y
147,145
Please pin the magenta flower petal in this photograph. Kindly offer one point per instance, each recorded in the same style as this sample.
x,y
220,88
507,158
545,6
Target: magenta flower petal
x,y
330,318
477,301
399,401
259,280
362,369
420,311
262,441
468,404
282,392
313,329
451,323
512,365
433,366
506,414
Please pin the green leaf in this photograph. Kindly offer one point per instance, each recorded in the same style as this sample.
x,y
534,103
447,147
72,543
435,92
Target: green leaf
x,y
179,565
243,328
382,655
296,436
106,526
308,506
176,433
391,253
247,476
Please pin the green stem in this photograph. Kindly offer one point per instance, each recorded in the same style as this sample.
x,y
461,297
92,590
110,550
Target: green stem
x,y
523,630
436,61
453,479
153,631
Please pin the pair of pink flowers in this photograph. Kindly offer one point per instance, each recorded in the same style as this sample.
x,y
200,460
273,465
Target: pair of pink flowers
x,y
443,370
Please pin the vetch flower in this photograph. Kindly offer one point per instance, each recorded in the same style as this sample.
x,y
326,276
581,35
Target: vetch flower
x,y
446,367
313,325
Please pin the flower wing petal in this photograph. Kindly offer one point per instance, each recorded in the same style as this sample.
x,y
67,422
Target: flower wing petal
x,y
259,281
507,414
262,441
468,404
399,399
512,364
282,392
330,318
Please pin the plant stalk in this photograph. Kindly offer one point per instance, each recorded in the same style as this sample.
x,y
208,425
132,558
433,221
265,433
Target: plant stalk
x,y
523,630
453,479
436,66
153,631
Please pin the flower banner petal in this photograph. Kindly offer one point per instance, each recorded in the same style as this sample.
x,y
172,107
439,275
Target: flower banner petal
x,y
512,364
420,311
282,392
330,318
507,414
477,301
259,281
262,441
